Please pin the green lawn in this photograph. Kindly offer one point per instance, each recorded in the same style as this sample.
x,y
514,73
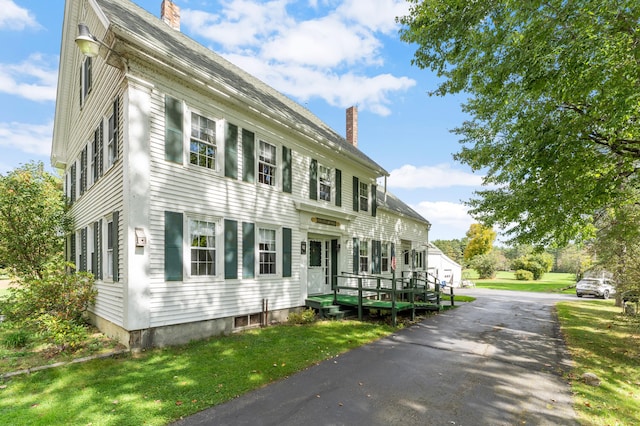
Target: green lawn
x,y
159,386
550,282
603,341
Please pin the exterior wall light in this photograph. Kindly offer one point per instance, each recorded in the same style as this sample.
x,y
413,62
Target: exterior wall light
x,y
88,43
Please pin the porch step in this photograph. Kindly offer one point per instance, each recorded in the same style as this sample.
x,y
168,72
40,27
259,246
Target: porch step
x,y
331,311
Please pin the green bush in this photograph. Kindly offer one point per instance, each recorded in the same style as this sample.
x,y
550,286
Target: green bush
x,y
538,264
485,264
306,316
523,275
16,339
53,305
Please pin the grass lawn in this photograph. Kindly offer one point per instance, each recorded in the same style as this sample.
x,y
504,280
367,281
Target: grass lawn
x,y
551,282
604,342
158,386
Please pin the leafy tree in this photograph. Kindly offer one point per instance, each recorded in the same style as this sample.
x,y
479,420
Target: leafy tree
x,y
536,263
481,241
552,92
33,220
452,248
486,265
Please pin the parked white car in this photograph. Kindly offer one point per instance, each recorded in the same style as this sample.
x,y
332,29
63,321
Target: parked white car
x,y
597,287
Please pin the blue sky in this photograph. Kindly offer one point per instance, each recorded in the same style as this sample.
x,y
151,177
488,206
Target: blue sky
x,y
325,54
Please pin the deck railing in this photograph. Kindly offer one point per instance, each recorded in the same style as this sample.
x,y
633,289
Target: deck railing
x,y
406,287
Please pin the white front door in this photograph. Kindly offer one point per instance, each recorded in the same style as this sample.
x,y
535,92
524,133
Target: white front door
x,y
318,266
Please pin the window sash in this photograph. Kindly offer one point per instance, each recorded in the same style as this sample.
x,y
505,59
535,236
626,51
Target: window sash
x,y
384,257
364,256
109,262
202,147
202,235
267,251
324,183
267,164
364,197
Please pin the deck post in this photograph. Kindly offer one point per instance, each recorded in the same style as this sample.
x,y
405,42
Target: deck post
x,y
359,298
393,300
451,292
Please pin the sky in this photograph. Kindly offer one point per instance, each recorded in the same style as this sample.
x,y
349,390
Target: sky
x,y
327,55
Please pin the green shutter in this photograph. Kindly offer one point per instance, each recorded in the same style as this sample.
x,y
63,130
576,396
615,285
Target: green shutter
x,y
313,180
356,194
338,188
286,252
231,151
376,247
286,170
248,156
173,238
173,143
356,256
230,249
248,250
116,246
83,246
374,200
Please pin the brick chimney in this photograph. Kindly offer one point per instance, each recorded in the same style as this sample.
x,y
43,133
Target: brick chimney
x,y
352,125
170,14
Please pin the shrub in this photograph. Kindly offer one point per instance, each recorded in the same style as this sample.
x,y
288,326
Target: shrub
x,y
538,264
523,275
306,316
16,339
486,265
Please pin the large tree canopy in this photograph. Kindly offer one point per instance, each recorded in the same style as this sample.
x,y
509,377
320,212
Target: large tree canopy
x,y
554,100
33,220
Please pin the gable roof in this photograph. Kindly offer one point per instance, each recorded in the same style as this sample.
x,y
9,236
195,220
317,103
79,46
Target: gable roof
x,y
153,39
396,205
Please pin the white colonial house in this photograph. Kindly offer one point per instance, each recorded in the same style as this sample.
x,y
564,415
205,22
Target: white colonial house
x,y
202,196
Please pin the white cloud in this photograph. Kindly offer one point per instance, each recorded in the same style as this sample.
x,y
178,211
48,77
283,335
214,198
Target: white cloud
x,y
14,17
377,15
34,79
30,138
445,214
439,176
333,56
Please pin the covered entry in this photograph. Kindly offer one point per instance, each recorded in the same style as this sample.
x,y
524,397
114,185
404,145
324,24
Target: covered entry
x,y
322,264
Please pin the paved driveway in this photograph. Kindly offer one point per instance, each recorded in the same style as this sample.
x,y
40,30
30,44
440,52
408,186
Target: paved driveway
x,y
496,361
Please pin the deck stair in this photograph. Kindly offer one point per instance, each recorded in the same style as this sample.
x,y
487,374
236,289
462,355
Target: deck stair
x,y
326,308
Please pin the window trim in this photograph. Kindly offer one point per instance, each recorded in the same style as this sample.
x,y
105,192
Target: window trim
x,y
321,183
218,143
275,178
108,252
86,79
218,261
367,258
363,196
385,256
277,261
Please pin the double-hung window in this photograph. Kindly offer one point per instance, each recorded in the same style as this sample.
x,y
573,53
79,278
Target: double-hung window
x,y
364,197
364,256
267,250
267,164
202,147
324,183
109,251
111,141
384,257
202,237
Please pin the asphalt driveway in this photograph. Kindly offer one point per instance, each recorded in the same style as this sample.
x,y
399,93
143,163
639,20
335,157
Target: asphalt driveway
x,y
496,361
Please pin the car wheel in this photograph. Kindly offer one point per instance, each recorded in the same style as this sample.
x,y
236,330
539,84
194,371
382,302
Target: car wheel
x,y
605,295
579,294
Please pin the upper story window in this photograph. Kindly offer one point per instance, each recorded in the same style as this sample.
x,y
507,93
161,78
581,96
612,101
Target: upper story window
x,y
202,147
364,196
267,250
85,79
324,183
112,134
202,237
267,164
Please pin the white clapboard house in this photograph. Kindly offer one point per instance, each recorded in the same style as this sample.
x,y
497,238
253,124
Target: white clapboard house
x,y
201,196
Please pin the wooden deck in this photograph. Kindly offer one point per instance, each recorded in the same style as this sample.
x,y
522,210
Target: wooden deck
x,y
325,300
